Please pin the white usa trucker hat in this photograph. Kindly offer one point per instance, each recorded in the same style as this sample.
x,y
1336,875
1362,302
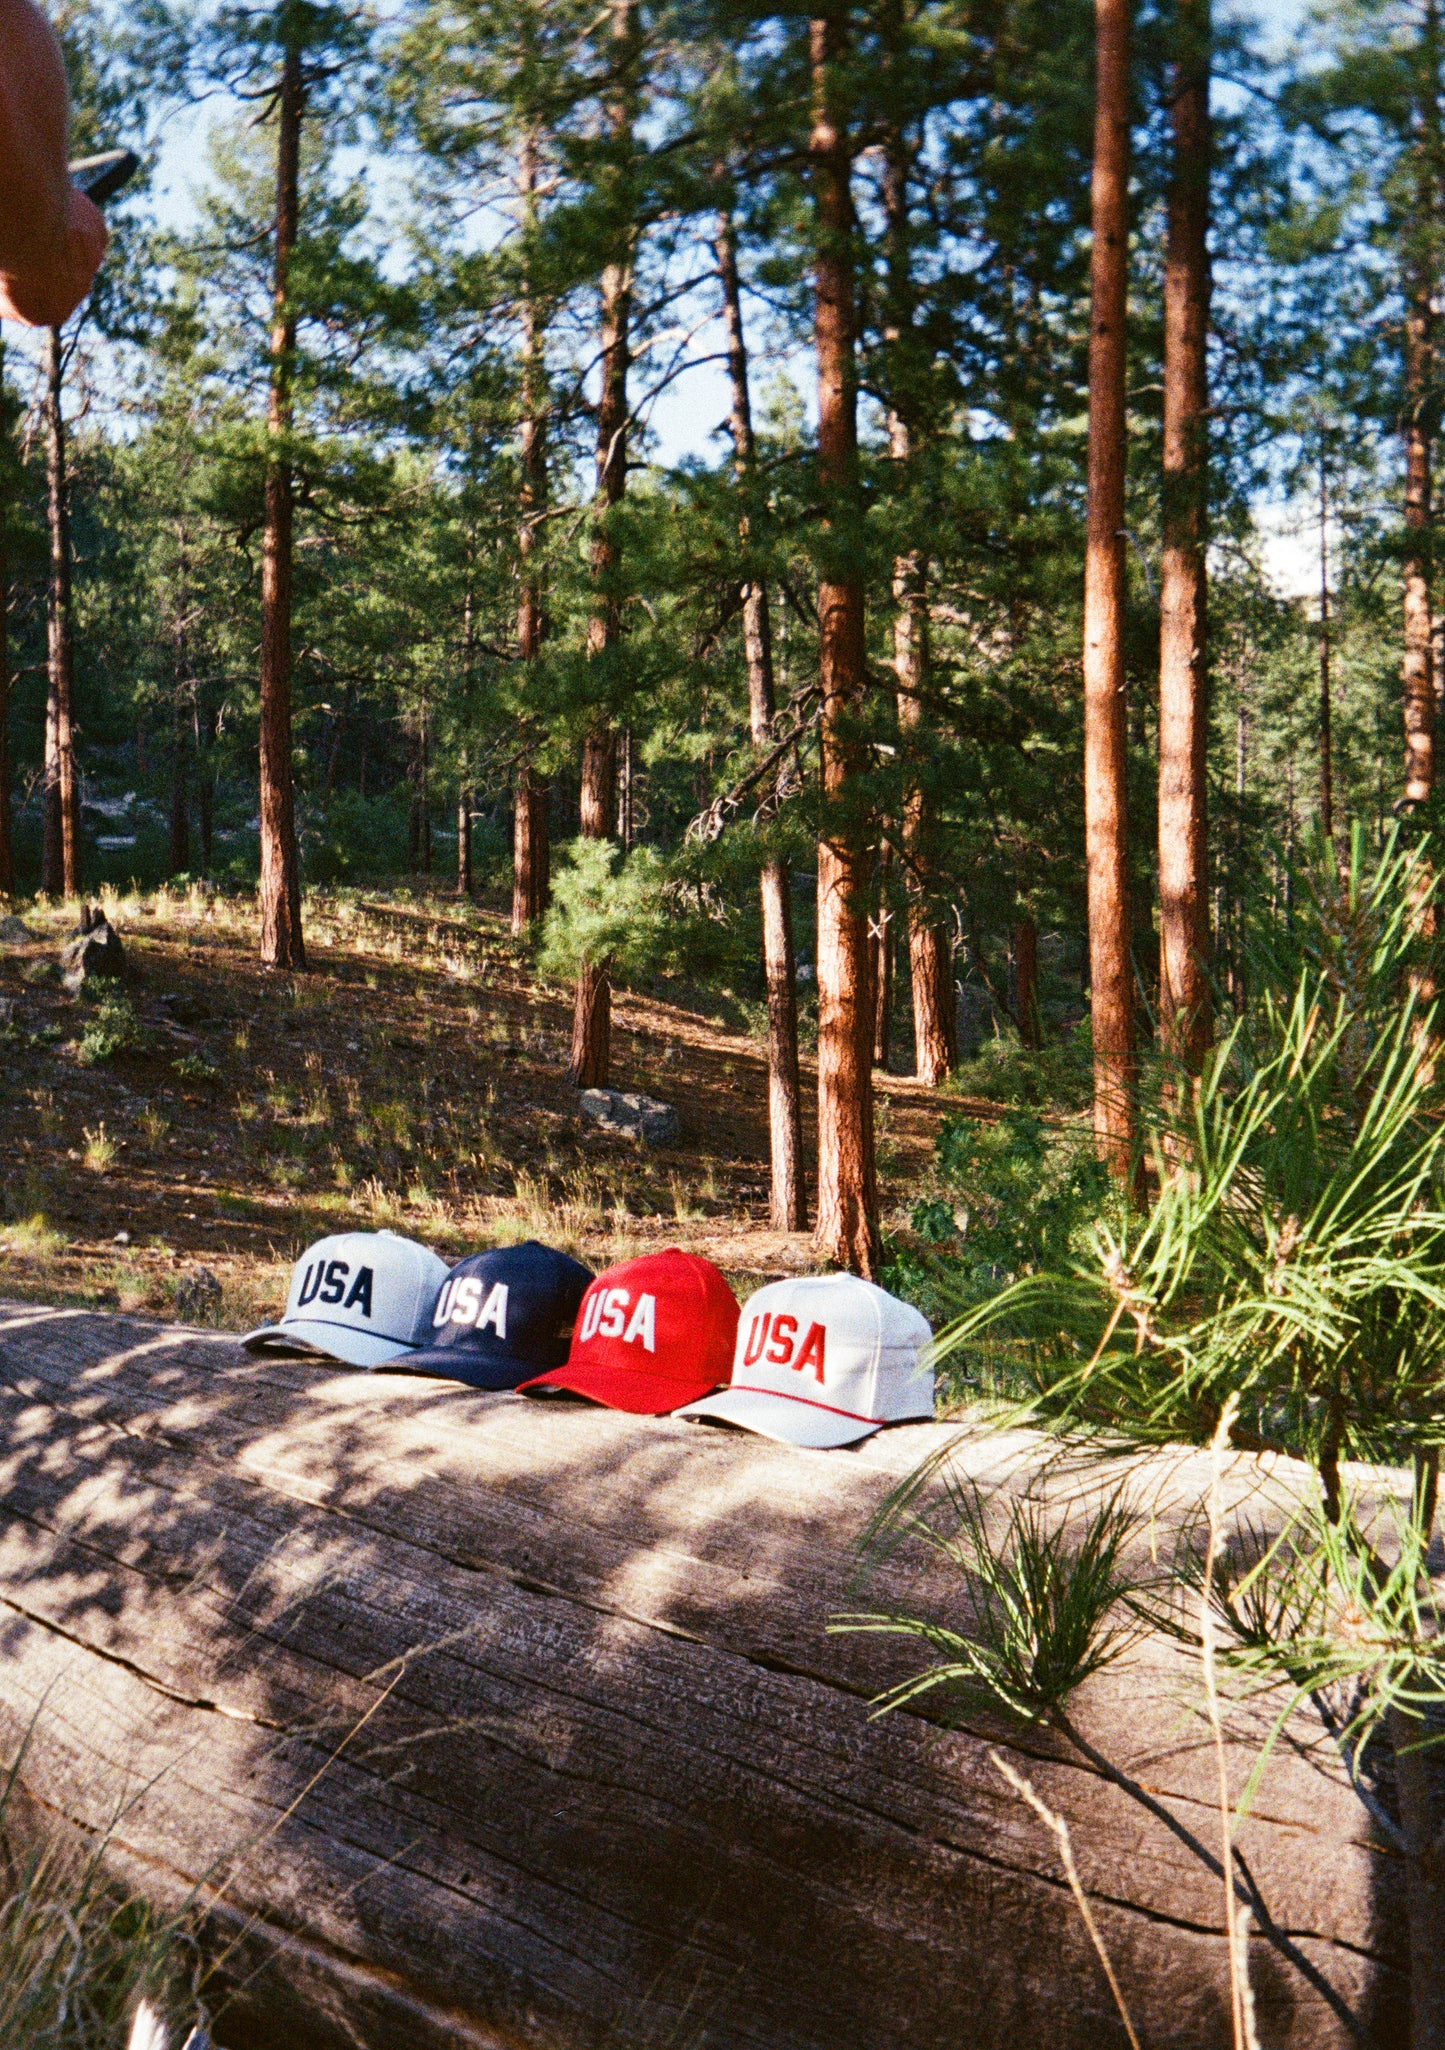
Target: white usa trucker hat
x,y
824,1360
364,1297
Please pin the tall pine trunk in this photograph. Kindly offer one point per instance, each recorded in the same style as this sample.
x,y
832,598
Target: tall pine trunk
x,y
1106,791
788,1206
280,891
1183,634
531,803
1327,750
880,957
930,955
60,854
7,837
1418,664
590,1063
464,839
847,1226
1024,967
179,851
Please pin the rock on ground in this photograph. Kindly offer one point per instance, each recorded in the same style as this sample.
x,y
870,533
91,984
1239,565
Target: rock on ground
x,y
94,952
636,1117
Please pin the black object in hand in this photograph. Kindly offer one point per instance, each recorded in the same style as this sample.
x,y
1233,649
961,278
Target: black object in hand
x,y
100,178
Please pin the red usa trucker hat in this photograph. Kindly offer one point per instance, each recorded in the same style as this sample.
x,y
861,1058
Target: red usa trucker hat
x,y
651,1334
824,1360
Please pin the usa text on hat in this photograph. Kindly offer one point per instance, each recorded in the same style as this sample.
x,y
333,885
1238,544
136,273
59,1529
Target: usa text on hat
x,y
364,1297
503,1315
824,1360
648,1328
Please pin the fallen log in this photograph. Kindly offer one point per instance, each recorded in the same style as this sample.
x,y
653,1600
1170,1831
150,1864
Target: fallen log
x,y
478,1723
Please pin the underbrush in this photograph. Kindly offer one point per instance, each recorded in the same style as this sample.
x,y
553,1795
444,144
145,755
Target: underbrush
x,y
1059,1076
1008,1200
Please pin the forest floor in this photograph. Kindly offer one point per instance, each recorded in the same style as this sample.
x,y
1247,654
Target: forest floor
x,y
414,1078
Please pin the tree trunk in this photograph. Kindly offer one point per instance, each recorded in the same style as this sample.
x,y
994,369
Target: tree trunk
x,y
531,850
1424,1878
847,1226
472,1727
179,853
205,736
61,849
930,955
7,840
881,961
788,1205
281,940
1106,788
1024,962
1183,647
531,843
464,842
1418,666
1327,764
590,1063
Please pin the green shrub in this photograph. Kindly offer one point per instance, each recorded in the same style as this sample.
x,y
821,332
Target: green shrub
x,y
1005,1071
1014,1198
112,1028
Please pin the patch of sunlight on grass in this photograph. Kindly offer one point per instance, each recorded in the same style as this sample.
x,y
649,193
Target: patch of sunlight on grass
x,y
100,1149
32,1238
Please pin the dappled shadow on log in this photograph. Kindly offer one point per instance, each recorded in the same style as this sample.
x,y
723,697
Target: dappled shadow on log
x,y
483,1722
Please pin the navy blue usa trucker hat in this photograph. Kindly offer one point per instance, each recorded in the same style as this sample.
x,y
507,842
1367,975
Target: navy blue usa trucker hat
x,y
503,1316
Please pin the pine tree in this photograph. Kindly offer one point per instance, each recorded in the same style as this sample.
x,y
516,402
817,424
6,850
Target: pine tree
x,y
1183,645
1106,806
847,1224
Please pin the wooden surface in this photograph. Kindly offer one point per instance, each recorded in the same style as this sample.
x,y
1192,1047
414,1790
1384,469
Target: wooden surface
x,y
483,1722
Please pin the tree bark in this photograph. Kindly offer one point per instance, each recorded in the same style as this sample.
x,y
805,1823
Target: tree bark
x,y
7,839
1327,761
179,853
531,842
1024,964
590,1063
1183,644
1106,791
591,1059
629,1757
930,954
788,1204
282,945
60,857
847,1225
205,737
881,961
464,842
1418,665
531,849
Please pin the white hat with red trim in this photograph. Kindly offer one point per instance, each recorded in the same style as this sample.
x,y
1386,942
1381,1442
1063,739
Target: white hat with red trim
x,y
824,1360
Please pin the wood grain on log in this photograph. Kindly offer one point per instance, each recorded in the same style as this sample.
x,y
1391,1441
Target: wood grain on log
x,y
478,1722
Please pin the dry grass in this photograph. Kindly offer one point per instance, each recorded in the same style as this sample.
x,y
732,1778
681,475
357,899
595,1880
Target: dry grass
x,y
413,1079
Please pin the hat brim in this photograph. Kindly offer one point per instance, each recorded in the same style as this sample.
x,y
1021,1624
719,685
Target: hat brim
x,y
308,1335
620,1390
454,1363
790,1418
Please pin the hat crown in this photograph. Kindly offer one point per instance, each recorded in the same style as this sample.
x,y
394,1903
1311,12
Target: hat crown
x,y
372,1282
837,1342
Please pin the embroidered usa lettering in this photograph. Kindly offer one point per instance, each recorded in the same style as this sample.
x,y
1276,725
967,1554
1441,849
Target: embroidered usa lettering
x,y
325,1281
774,1338
461,1303
606,1317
